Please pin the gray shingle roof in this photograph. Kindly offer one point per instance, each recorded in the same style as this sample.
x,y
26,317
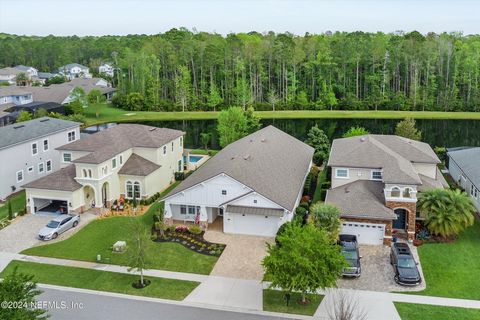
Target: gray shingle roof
x,y
255,210
71,65
392,153
360,199
110,142
138,166
63,179
269,161
429,183
33,129
468,160
9,71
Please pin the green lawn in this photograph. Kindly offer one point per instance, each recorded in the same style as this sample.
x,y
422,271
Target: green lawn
x,y
18,204
204,152
273,300
411,311
450,268
103,280
108,113
99,236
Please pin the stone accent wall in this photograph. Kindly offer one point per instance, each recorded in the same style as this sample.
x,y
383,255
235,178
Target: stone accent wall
x,y
411,208
387,238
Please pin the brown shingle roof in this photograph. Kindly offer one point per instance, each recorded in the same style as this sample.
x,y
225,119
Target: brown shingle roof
x,y
110,142
63,179
269,161
360,199
138,166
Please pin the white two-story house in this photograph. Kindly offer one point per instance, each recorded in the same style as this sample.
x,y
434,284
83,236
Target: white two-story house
x,y
28,150
375,182
128,160
107,69
74,70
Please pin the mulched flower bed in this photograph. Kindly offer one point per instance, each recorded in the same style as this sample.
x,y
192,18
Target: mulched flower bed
x,y
424,236
194,242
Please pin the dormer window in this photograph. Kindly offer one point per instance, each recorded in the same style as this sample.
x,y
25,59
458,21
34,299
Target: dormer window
x,y
71,136
407,193
377,175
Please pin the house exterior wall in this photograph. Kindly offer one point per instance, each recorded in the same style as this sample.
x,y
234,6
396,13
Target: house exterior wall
x,y
19,157
464,182
427,169
249,201
354,175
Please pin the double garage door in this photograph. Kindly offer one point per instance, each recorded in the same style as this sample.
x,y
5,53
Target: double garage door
x,y
257,225
367,233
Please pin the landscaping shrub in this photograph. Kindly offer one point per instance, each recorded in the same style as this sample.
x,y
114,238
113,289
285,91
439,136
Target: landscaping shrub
x,y
195,229
179,176
181,228
304,205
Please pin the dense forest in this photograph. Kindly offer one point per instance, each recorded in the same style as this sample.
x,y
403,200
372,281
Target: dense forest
x,y
184,70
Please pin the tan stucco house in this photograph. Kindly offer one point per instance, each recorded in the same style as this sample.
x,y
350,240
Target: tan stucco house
x,y
375,181
128,160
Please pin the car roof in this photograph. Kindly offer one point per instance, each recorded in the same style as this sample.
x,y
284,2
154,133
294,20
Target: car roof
x,y
62,217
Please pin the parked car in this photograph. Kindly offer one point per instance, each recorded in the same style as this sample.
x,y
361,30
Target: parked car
x,y
351,253
58,226
404,265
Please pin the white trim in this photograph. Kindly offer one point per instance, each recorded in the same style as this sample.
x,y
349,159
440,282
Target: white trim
x,y
16,176
133,182
74,136
338,177
43,144
36,147
63,157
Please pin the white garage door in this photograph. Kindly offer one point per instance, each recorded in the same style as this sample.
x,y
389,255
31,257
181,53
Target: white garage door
x,y
367,233
250,224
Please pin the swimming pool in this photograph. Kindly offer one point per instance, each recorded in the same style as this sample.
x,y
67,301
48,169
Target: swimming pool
x,y
192,159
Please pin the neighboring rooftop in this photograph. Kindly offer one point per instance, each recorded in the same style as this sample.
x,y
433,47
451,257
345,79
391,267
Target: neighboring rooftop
x,y
360,199
32,129
468,160
110,142
23,68
72,65
269,161
138,166
63,180
9,71
392,153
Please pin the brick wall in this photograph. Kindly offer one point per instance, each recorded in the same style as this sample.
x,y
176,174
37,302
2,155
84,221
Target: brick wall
x,y
411,208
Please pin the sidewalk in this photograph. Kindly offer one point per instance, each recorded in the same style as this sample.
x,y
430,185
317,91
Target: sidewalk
x,y
224,292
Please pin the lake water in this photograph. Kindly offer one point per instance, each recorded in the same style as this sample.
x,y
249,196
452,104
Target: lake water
x,y
445,133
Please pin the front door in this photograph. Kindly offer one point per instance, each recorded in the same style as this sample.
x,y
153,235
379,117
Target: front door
x,y
401,219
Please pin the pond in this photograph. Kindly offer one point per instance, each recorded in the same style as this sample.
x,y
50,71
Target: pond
x,y
445,133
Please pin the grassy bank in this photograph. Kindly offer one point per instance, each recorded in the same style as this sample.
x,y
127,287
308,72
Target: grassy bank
x,y
102,280
273,300
411,311
102,113
18,204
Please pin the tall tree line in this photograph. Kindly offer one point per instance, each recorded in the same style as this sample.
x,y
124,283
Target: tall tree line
x,y
185,70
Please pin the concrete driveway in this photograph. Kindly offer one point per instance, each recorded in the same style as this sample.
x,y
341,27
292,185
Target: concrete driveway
x,y
22,233
242,257
377,273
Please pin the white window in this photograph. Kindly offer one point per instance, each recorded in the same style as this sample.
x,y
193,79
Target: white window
x,y
30,169
45,145
164,149
34,148
341,173
19,175
183,209
49,165
407,193
71,136
132,189
41,167
136,189
121,159
376,175
129,189
395,192
114,163
67,157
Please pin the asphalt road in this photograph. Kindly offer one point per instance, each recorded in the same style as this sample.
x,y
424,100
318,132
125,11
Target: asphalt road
x,y
67,305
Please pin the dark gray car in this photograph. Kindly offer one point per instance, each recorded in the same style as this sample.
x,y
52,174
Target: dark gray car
x,y
58,226
351,253
404,265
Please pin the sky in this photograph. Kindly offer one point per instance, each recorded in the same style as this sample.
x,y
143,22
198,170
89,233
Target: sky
x,y
121,17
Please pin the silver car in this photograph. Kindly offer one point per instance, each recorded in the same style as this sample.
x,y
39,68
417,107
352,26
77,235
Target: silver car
x,y
58,225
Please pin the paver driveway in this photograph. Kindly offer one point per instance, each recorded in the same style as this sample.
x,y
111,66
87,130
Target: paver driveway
x,y
242,257
22,233
377,273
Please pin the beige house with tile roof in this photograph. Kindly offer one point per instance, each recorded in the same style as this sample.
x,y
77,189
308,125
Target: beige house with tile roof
x,y
375,181
128,160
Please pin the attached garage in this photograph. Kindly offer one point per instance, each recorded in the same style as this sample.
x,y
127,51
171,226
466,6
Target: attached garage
x,y
50,206
367,233
252,220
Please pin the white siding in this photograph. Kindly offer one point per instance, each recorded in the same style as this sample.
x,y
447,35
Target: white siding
x,y
427,169
464,182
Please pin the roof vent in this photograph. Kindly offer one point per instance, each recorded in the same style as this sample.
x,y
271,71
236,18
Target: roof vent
x,y
246,157
347,190
45,120
263,140
152,129
363,139
18,127
232,158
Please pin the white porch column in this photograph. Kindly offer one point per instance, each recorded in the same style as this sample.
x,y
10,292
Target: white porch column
x,y
167,214
203,218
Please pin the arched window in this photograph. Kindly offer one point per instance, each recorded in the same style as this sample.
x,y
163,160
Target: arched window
x,y
129,189
89,173
395,192
407,193
136,189
84,173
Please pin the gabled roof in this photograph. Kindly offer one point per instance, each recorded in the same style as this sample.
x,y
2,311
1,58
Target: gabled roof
x,y
393,154
23,68
138,166
108,143
360,199
32,129
9,71
72,65
429,183
63,180
468,160
269,161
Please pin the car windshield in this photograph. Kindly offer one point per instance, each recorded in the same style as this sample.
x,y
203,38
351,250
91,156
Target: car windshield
x,y
350,255
53,224
406,263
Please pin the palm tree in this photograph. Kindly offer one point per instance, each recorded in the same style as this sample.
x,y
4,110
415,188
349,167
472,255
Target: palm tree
x,y
447,212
